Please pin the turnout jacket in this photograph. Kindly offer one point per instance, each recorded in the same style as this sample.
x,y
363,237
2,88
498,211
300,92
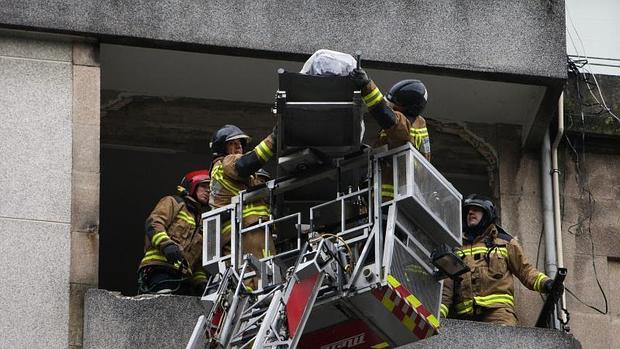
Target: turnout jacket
x,y
175,220
493,257
396,130
234,173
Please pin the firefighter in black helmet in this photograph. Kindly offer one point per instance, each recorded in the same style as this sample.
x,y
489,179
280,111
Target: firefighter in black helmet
x,y
400,116
233,171
486,292
400,120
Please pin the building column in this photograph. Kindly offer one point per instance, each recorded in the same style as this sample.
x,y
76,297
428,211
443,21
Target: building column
x,y
84,183
49,187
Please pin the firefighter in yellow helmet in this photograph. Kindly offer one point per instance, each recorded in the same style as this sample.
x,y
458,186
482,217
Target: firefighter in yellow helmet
x,y
233,171
172,261
486,292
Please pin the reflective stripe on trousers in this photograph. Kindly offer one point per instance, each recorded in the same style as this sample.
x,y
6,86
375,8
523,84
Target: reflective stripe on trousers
x,y
467,306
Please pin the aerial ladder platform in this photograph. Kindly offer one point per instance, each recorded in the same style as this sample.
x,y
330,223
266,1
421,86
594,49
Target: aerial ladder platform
x,y
364,237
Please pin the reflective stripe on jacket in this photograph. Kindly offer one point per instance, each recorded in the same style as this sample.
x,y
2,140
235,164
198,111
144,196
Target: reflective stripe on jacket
x,y
250,211
226,182
494,257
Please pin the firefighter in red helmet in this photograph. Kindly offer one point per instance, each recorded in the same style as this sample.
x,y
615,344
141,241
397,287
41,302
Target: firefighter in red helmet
x,y
172,261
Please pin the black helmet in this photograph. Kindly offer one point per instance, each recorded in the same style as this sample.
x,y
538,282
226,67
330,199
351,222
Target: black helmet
x,y
411,95
224,134
487,206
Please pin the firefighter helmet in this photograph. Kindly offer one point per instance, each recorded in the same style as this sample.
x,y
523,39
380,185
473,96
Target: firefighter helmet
x,y
410,95
224,134
487,206
190,181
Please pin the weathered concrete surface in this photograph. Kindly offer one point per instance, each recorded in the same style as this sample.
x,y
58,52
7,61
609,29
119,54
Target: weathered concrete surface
x,y
113,321
524,38
468,334
153,321
590,226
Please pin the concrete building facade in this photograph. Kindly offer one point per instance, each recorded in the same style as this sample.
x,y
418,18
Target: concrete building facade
x,y
105,105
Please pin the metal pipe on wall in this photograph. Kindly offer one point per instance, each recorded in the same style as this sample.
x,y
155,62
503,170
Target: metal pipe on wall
x,y
551,265
555,176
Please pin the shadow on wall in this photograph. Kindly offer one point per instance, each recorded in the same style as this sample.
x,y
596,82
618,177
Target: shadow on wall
x,y
132,182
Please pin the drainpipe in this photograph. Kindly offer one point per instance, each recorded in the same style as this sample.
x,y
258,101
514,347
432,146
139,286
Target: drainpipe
x,y
556,196
551,266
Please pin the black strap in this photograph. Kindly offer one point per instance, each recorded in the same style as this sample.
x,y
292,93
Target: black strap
x,y
502,234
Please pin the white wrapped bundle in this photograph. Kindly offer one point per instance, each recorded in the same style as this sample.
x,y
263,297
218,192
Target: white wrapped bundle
x,y
328,62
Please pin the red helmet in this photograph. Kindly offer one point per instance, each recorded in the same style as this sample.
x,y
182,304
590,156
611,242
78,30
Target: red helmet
x,y
190,182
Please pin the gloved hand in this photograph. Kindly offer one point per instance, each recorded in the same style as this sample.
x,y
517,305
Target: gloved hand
x,y
274,133
172,252
359,77
199,288
548,287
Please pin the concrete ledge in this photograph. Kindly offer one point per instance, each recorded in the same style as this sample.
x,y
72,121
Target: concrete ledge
x,y
512,37
469,334
161,321
150,321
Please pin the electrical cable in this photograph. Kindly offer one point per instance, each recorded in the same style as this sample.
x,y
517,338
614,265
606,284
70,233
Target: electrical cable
x,y
585,56
600,58
329,235
586,304
581,178
574,66
538,255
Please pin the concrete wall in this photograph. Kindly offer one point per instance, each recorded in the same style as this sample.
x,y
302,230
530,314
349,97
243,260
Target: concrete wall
x,y
591,228
147,321
519,38
49,140
585,221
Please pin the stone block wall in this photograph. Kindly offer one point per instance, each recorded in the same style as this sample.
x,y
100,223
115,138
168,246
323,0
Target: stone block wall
x,y
49,148
84,184
36,96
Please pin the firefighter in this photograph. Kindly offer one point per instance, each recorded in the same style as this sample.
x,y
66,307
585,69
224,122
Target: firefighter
x,y
233,171
486,292
399,117
398,114
172,261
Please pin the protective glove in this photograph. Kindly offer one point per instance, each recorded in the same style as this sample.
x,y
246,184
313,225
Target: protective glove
x,y
274,133
172,253
359,77
199,288
548,287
